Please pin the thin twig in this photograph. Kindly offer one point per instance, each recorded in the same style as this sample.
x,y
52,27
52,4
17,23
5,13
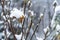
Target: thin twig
x,y
10,24
35,30
28,30
22,29
2,3
23,21
30,23
49,13
38,24
12,30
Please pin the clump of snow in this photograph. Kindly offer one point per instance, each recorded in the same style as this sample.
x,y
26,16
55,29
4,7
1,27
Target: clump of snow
x,y
1,34
58,27
14,19
8,33
46,29
16,13
38,38
57,8
9,21
4,17
1,22
57,33
55,2
41,15
18,37
31,13
2,14
7,16
29,3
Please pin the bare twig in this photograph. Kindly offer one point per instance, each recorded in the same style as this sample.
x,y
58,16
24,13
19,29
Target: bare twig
x,y
49,13
5,30
2,3
22,29
30,23
12,29
38,24
24,6
10,24
45,35
28,30
35,30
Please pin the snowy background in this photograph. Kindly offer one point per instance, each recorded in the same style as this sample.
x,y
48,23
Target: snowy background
x,y
42,15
